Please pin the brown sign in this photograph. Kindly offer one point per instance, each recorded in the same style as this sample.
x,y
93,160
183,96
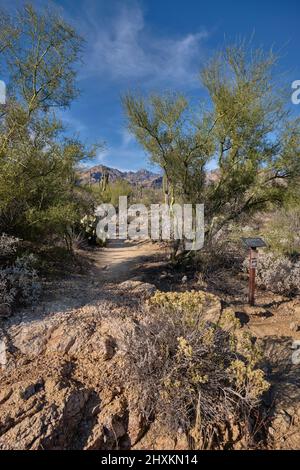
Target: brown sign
x,y
253,244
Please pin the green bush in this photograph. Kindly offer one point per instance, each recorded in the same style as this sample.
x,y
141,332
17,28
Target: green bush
x,y
112,192
39,199
283,231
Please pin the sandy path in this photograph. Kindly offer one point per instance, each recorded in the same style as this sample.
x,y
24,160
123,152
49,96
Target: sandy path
x,y
108,267
122,259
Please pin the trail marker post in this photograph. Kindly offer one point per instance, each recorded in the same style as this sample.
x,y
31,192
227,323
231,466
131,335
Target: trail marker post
x,y
253,244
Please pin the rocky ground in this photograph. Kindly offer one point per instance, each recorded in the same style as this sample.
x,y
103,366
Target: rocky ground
x,y
60,386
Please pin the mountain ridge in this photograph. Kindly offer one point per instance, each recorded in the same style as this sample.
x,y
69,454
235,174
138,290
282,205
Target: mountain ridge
x,y
142,177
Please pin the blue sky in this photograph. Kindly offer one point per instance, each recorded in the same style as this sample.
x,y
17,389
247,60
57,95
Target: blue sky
x,y
153,45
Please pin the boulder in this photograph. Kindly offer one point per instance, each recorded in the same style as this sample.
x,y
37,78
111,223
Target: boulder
x,y
296,357
294,326
211,308
138,288
41,416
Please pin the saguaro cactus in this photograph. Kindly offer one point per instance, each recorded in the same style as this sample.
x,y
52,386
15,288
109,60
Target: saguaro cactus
x,y
104,180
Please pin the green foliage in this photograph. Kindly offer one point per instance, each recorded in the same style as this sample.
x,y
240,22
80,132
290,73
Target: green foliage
x,y
246,127
38,196
39,53
146,196
282,232
112,192
160,125
190,304
88,230
282,228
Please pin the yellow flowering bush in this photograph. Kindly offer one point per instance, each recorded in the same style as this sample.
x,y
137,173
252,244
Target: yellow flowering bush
x,y
190,304
197,375
182,301
245,378
179,300
228,320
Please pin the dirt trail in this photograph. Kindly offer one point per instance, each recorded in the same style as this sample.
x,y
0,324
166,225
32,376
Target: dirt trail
x,y
122,259
108,267
63,357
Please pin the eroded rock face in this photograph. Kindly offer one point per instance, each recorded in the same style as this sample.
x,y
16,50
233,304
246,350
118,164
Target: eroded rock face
x,y
60,387
138,288
283,418
41,414
284,430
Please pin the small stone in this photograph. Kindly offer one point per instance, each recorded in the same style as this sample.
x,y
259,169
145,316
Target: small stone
x,y
96,410
5,394
296,344
184,279
141,289
108,348
287,417
296,357
32,389
271,431
294,326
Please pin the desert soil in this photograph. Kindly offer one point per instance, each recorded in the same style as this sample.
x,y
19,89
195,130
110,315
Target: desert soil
x,y
59,380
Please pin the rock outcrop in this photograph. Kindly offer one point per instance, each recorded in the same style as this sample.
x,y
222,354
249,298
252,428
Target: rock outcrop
x,y
60,380
60,385
56,391
283,401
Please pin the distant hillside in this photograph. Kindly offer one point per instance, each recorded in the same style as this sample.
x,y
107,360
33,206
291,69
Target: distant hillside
x,y
144,178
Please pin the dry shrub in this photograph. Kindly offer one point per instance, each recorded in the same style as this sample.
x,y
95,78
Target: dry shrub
x,y
8,246
19,283
223,255
277,273
194,375
78,241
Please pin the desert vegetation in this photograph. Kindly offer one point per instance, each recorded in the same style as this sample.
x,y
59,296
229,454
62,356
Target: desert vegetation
x,y
197,375
158,340
245,108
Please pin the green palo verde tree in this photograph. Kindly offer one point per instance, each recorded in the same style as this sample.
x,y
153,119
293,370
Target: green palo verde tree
x,y
245,128
38,195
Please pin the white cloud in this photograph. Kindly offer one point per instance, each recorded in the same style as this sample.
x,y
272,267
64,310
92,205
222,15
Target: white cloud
x,y
127,152
70,122
123,48
127,138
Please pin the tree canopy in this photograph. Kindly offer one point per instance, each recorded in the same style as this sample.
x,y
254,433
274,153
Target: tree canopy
x,y
245,129
38,55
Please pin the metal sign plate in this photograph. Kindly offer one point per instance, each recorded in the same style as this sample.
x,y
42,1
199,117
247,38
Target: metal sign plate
x,y
254,242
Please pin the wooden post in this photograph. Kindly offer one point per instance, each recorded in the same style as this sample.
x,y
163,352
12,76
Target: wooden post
x,y
253,244
252,269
